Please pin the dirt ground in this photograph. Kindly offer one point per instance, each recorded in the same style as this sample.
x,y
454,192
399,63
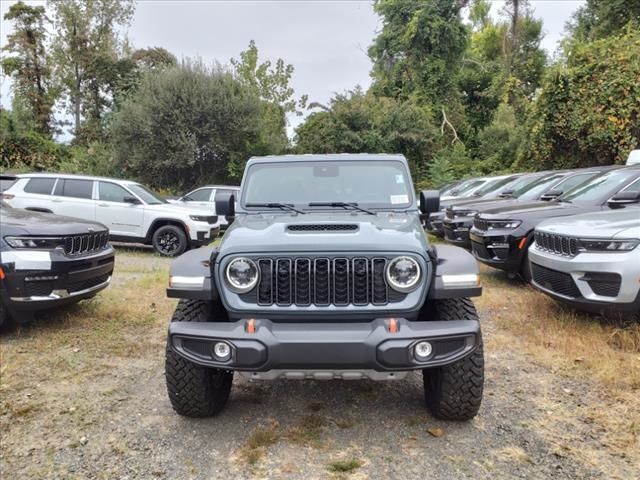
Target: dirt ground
x,y
82,395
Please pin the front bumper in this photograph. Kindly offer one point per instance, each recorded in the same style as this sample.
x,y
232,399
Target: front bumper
x,y
205,235
498,250
433,224
589,281
29,288
262,345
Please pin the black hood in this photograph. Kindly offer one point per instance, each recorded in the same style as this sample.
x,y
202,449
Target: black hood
x,y
532,213
482,203
15,221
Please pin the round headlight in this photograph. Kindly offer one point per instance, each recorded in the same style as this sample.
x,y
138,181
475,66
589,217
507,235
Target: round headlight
x,y
242,274
403,274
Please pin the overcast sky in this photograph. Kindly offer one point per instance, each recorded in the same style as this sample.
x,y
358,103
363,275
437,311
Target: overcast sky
x,y
326,41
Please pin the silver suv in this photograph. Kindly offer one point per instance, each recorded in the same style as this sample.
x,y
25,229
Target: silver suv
x,y
591,261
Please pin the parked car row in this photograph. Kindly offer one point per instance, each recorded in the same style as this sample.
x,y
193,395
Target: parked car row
x,y
56,229
573,233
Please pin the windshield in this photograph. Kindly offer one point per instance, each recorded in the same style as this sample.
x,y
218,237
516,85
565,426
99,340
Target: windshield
x,y
536,188
599,188
468,187
383,184
145,194
495,185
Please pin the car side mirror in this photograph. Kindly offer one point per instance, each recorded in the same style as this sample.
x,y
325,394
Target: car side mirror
x,y
624,198
226,205
551,194
429,201
131,200
506,193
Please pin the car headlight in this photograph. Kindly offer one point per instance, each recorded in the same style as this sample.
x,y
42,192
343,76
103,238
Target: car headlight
x,y
403,274
607,245
34,243
203,218
504,225
242,274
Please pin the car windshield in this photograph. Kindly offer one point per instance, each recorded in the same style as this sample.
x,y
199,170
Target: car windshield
x,y
601,187
468,187
145,194
381,184
494,185
536,188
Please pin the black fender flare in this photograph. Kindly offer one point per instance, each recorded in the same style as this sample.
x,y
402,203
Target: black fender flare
x,y
454,261
158,222
39,209
191,275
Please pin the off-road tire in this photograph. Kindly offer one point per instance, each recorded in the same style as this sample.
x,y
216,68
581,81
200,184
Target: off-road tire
x,y
454,392
195,391
173,234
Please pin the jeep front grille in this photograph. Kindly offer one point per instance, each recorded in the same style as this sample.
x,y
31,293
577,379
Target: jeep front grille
x,y
481,224
86,243
558,244
322,281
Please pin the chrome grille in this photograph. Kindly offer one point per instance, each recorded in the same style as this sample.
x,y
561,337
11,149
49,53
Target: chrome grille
x,y
322,281
481,224
558,244
86,243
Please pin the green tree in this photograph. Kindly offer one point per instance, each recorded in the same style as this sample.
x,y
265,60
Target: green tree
x,y
419,49
358,122
185,126
588,112
30,66
272,84
602,18
87,50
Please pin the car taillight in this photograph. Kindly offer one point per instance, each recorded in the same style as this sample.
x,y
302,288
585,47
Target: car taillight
x,y
6,196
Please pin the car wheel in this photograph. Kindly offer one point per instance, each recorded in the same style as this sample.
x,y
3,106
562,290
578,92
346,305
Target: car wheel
x,y
454,392
170,241
195,391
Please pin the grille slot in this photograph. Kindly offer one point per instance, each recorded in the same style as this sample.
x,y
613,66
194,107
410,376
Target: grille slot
x,y
481,224
605,284
329,227
557,244
322,281
558,282
86,243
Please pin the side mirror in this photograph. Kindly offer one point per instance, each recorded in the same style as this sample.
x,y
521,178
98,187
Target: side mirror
x,y
226,205
551,194
429,201
623,198
506,193
131,200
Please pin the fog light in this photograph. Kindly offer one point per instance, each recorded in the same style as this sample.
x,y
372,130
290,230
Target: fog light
x,y
422,350
222,351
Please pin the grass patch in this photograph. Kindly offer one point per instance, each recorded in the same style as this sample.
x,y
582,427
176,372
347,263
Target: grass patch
x,y
258,441
345,466
308,430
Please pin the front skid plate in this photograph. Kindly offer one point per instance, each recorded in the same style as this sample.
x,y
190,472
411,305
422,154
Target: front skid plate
x,y
261,345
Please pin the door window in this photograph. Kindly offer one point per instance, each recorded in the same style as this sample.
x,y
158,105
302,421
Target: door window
x,y
41,186
110,192
74,188
202,195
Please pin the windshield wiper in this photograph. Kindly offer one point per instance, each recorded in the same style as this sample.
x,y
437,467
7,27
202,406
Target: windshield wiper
x,y
352,205
281,206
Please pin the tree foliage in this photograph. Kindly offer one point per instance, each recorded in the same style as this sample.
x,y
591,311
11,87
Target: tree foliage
x,y
588,112
599,19
29,65
186,126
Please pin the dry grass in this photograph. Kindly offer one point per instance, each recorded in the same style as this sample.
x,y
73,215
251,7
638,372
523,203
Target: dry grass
x,y
345,466
603,353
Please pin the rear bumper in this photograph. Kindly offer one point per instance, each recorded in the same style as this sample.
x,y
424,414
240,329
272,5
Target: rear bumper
x,y
324,346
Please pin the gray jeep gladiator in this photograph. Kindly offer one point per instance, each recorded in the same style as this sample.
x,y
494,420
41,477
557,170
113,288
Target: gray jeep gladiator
x,y
325,272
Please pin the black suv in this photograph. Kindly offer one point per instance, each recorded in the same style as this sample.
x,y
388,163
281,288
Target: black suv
x,y
500,237
548,186
49,261
325,272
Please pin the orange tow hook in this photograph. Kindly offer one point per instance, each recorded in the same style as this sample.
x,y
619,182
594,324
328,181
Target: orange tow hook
x,y
251,326
393,325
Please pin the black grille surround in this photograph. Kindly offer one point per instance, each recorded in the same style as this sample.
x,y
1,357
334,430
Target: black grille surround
x,y
558,282
86,243
481,224
334,280
556,244
323,227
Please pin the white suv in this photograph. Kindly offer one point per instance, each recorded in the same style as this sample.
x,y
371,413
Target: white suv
x,y
132,212
206,197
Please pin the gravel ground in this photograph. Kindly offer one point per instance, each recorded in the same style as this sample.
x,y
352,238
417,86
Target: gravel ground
x,y
293,429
